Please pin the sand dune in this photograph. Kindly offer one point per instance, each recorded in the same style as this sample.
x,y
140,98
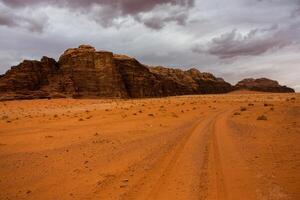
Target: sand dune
x,y
234,146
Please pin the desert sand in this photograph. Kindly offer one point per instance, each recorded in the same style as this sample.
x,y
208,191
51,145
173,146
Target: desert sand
x,y
236,146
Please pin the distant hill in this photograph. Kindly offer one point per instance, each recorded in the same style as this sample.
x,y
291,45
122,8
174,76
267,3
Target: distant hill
x,y
84,72
263,85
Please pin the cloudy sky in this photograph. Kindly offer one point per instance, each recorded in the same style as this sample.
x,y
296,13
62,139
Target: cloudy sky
x,y
233,39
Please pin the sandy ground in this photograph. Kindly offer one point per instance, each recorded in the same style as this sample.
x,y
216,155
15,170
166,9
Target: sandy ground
x,y
185,148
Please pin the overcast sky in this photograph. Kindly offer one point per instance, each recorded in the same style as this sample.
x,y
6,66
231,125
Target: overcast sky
x,y
234,39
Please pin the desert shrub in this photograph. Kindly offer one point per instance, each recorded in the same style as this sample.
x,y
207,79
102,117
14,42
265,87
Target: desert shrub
x,y
237,113
262,117
174,115
243,109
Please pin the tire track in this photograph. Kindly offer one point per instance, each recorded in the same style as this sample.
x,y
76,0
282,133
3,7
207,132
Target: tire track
x,y
232,176
185,176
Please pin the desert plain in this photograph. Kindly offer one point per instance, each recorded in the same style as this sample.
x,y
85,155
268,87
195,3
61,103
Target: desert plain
x,y
235,146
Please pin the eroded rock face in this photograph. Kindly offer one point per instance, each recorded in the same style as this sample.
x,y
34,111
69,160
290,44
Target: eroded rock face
x,y
138,80
262,84
84,72
90,73
192,81
27,79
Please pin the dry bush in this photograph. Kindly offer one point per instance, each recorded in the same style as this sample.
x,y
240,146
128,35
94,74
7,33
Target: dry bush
x,y
262,117
243,109
237,113
174,115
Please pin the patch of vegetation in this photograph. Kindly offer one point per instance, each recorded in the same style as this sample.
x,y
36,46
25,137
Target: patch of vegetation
x,y
262,117
268,104
243,109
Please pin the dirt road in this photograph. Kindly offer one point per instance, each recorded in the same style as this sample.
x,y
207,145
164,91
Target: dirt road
x,y
204,147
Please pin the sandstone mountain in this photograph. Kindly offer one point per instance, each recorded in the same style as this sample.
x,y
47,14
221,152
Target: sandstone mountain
x,y
263,85
84,72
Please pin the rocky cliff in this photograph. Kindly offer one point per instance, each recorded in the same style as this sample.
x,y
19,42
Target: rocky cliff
x,y
263,85
84,72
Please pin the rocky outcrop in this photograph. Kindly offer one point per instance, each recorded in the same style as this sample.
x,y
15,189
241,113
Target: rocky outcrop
x,y
84,72
137,78
263,85
27,79
89,73
192,81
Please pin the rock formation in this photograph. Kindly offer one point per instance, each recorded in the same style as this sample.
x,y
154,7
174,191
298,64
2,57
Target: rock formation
x,y
84,72
191,81
263,85
26,80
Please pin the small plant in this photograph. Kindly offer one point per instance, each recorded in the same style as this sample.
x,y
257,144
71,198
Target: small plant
x,y
243,109
174,115
151,115
4,117
237,113
262,117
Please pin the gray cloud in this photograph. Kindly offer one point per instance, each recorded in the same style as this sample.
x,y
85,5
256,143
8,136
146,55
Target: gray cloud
x,y
34,23
127,6
106,11
162,15
255,42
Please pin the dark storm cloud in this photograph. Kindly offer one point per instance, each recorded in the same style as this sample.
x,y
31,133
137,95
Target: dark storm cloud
x,y
112,9
159,17
32,23
127,6
255,42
